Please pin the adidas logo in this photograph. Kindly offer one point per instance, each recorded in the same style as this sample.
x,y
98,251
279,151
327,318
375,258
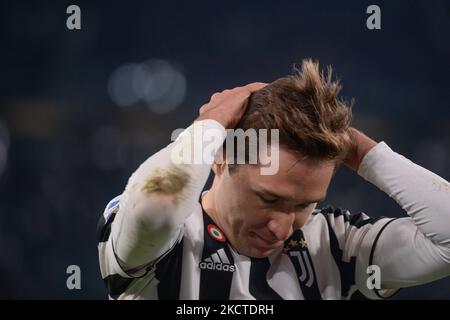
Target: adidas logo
x,y
218,261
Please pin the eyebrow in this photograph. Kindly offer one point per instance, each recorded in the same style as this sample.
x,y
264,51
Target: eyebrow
x,y
271,194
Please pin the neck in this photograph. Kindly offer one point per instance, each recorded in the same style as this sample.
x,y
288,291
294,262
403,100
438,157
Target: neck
x,y
208,204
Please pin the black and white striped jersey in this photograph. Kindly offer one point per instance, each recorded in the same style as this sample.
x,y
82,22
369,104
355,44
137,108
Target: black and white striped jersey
x,y
202,265
328,258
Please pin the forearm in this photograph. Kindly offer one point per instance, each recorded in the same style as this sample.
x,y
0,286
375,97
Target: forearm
x,y
415,250
161,194
422,194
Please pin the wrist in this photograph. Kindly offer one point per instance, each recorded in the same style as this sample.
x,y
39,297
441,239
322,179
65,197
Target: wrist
x,y
362,144
213,117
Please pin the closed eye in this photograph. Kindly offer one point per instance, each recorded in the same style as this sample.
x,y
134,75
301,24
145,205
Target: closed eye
x,y
268,200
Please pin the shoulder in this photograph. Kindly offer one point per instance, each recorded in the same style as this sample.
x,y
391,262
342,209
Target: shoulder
x,y
106,218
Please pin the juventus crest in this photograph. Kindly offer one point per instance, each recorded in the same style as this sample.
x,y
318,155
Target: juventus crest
x,y
297,250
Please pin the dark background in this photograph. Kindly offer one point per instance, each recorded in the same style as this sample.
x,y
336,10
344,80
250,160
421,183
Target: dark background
x,y
80,110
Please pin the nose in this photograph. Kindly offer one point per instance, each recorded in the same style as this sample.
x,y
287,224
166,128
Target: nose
x,y
281,226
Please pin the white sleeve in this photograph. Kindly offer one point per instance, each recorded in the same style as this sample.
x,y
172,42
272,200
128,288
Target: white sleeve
x,y
161,194
351,238
415,249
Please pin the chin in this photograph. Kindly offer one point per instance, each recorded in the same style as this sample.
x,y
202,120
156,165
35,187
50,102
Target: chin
x,y
252,250
258,253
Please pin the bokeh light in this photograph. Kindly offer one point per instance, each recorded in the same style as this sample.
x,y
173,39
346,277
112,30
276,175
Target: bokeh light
x,y
156,82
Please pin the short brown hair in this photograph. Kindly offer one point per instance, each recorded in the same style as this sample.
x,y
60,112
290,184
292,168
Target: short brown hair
x,y
312,119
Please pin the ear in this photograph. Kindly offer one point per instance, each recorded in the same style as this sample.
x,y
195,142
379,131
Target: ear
x,y
219,168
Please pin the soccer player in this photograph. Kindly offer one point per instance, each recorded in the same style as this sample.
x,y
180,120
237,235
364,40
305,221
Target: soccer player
x,y
255,236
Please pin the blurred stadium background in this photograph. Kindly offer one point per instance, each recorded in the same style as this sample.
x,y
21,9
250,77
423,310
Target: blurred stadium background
x,y
80,110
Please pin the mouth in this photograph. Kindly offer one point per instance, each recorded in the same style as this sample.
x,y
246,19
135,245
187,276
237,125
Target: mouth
x,y
262,243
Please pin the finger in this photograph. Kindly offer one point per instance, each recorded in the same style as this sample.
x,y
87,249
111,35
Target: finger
x,y
215,96
218,97
255,86
203,108
238,99
215,100
251,87
238,95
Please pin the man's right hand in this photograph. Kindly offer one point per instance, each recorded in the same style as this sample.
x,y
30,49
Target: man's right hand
x,y
228,106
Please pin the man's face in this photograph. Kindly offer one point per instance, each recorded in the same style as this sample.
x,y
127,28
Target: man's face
x,y
259,212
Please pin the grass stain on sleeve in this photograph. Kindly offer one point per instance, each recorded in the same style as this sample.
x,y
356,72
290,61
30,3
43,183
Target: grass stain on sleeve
x,y
169,181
